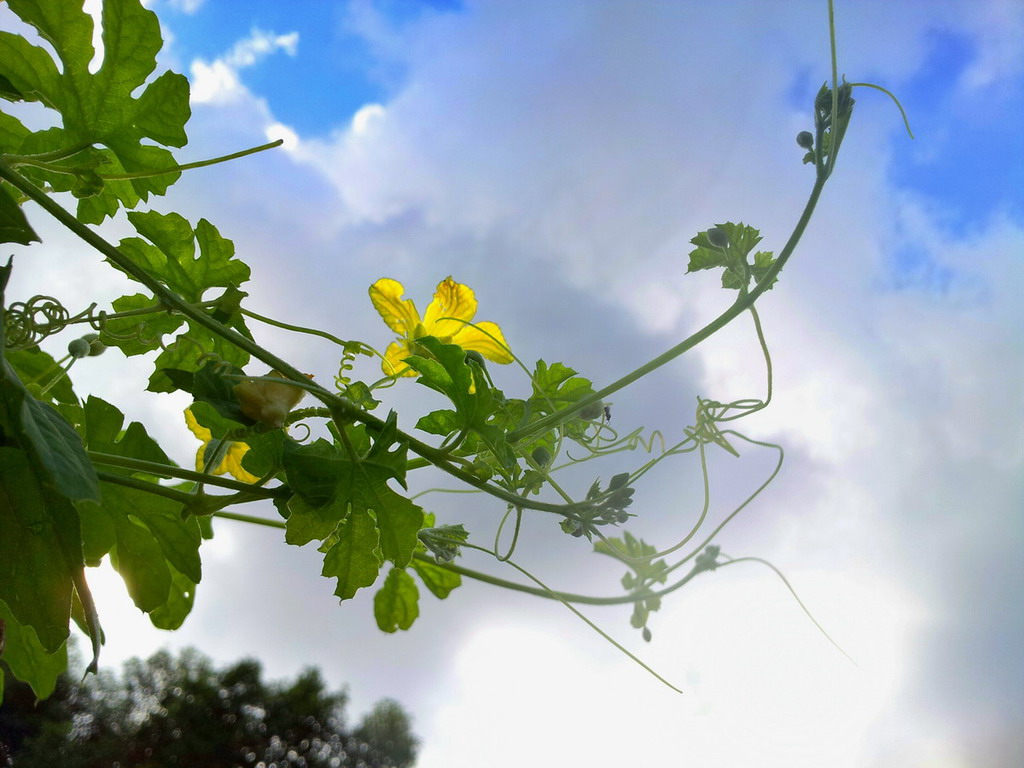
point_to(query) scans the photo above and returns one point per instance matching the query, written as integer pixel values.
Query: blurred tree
(182, 711)
(387, 728)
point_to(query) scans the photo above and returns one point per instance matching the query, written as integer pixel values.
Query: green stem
(47, 157)
(297, 328)
(342, 410)
(164, 470)
(190, 166)
(742, 303)
(250, 519)
(142, 485)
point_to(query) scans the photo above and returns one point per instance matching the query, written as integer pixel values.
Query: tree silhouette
(183, 711)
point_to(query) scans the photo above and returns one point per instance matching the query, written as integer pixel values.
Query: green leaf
(34, 365)
(28, 659)
(182, 594)
(733, 257)
(336, 494)
(103, 424)
(38, 533)
(98, 108)
(50, 444)
(350, 555)
(171, 257)
(462, 380)
(395, 606)
(14, 227)
(213, 384)
(438, 580)
(137, 334)
(443, 422)
(314, 470)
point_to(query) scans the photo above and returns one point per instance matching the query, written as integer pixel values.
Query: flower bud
(592, 411)
(541, 455)
(718, 237)
(805, 139)
(78, 348)
(96, 347)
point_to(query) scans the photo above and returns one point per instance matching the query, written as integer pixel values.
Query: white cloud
(187, 6)
(218, 81)
(563, 154)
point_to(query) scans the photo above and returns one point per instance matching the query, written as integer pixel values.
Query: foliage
(77, 486)
(182, 710)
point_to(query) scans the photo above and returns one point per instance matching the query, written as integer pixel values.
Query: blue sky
(335, 68)
(558, 155)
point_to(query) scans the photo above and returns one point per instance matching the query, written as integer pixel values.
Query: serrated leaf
(170, 255)
(350, 555)
(733, 257)
(461, 379)
(28, 659)
(98, 108)
(396, 604)
(137, 334)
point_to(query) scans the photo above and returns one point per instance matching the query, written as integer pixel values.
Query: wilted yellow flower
(447, 318)
(268, 401)
(231, 459)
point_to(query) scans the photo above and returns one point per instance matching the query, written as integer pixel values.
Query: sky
(558, 156)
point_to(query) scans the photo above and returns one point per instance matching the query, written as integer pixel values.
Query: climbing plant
(78, 485)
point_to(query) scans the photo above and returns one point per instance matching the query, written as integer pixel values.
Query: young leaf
(438, 580)
(395, 606)
(350, 554)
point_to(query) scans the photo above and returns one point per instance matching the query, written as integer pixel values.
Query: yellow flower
(232, 457)
(447, 318)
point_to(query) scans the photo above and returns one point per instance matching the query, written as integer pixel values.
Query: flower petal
(393, 363)
(485, 338)
(400, 314)
(196, 428)
(233, 463)
(451, 300)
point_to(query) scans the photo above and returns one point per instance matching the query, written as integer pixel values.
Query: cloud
(218, 81)
(558, 157)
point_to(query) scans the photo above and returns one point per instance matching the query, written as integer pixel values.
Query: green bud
(718, 237)
(476, 357)
(541, 455)
(78, 348)
(805, 139)
(96, 347)
(592, 411)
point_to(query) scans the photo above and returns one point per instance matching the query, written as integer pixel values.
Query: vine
(77, 486)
